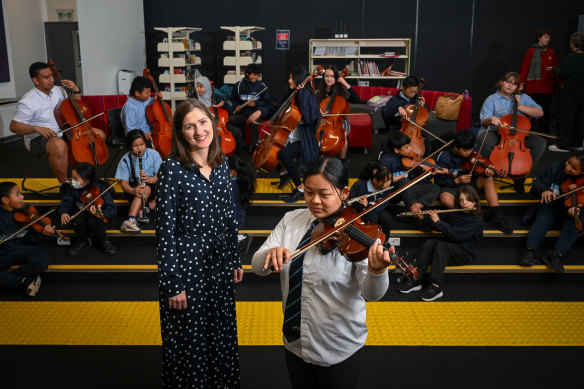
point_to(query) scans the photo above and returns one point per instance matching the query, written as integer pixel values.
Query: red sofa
(464, 117)
(97, 104)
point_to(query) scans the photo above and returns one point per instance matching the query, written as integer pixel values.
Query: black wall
(456, 44)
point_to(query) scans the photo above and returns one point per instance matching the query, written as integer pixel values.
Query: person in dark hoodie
(546, 214)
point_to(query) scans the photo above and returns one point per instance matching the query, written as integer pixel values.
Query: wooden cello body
(511, 155)
(84, 145)
(225, 136)
(160, 116)
(418, 115)
(330, 134)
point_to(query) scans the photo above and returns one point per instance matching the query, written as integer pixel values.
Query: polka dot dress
(196, 236)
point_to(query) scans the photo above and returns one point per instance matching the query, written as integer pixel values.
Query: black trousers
(423, 192)
(439, 254)
(287, 157)
(85, 224)
(33, 260)
(543, 124)
(236, 125)
(343, 375)
(571, 116)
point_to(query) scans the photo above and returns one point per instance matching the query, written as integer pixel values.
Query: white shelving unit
(176, 53)
(242, 42)
(373, 54)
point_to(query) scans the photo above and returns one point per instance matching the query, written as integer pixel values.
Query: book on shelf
(335, 50)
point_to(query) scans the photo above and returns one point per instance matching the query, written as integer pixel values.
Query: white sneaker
(577, 148)
(130, 225)
(557, 149)
(33, 286)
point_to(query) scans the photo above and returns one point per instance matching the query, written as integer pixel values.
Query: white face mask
(75, 184)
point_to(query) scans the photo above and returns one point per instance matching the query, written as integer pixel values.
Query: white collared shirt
(334, 290)
(37, 109)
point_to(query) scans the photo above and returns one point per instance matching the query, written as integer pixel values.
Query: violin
(84, 144)
(30, 214)
(417, 114)
(330, 133)
(160, 116)
(226, 138)
(280, 126)
(414, 160)
(92, 196)
(478, 164)
(573, 187)
(355, 239)
(511, 155)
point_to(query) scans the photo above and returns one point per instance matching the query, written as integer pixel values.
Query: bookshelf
(245, 51)
(178, 59)
(364, 58)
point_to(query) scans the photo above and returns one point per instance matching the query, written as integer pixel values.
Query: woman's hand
(237, 275)
(378, 258)
(276, 258)
(179, 301)
(65, 218)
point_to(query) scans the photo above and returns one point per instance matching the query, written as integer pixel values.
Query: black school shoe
(108, 248)
(294, 197)
(554, 260)
(431, 293)
(500, 223)
(527, 257)
(78, 248)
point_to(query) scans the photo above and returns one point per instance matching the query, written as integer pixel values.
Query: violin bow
(423, 129)
(531, 132)
(343, 223)
(479, 153)
(252, 99)
(430, 156)
(351, 201)
(569, 193)
(6, 238)
(94, 200)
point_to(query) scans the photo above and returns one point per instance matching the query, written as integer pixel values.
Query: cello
(417, 114)
(330, 133)
(225, 136)
(84, 144)
(160, 116)
(511, 155)
(281, 125)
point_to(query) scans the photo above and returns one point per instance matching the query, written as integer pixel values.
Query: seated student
(333, 83)
(243, 185)
(213, 100)
(394, 110)
(451, 159)
(258, 107)
(91, 220)
(323, 294)
(25, 249)
(35, 120)
(500, 104)
(374, 177)
(462, 232)
(134, 110)
(301, 147)
(130, 175)
(422, 194)
(548, 212)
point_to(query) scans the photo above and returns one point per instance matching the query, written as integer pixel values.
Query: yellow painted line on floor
(508, 323)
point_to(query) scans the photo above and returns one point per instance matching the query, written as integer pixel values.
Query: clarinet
(143, 218)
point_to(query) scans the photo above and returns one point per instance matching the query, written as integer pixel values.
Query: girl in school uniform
(324, 331)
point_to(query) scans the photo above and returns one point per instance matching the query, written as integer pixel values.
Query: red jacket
(548, 81)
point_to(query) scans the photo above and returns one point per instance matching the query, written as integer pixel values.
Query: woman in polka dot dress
(198, 257)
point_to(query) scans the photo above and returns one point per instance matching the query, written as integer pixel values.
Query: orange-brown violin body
(479, 165)
(88, 195)
(575, 199)
(30, 213)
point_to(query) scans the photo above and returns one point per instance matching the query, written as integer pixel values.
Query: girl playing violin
(25, 249)
(501, 103)
(132, 172)
(461, 231)
(333, 289)
(301, 147)
(451, 159)
(333, 83)
(90, 221)
(550, 212)
(374, 177)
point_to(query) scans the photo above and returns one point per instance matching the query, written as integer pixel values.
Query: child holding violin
(86, 185)
(374, 178)
(501, 103)
(422, 194)
(26, 249)
(301, 147)
(248, 106)
(324, 294)
(137, 171)
(460, 246)
(334, 84)
(134, 110)
(452, 159)
(557, 179)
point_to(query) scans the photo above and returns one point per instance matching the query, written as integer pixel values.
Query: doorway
(62, 39)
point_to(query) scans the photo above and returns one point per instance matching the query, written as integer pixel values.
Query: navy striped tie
(291, 326)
